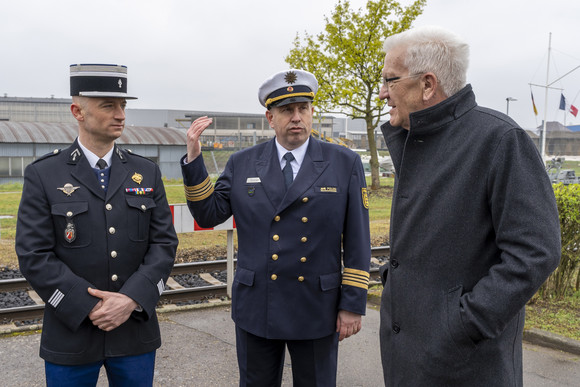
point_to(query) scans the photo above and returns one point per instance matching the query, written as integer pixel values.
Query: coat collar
(268, 169)
(84, 173)
(426, 121)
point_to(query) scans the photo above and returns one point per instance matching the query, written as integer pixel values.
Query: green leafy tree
(347, 59)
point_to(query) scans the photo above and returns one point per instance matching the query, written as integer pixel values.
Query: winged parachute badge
(68, 189)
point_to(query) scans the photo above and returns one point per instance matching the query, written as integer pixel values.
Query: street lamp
(508, 99)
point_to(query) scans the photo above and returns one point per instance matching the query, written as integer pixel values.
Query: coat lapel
(118, 173)
(82, 171)
(270, 174)
(312, 167)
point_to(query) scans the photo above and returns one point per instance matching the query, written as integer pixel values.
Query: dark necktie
(101, 164)
(287, 170)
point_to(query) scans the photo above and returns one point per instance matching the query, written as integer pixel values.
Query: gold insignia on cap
(137, 178)
(290, 77)
(365, 198)
(68, 189)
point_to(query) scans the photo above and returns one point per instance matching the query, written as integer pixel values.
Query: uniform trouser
(123, 371)
(261, 361)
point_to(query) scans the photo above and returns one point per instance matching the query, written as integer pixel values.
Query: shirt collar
(298, 153)
(93, 158)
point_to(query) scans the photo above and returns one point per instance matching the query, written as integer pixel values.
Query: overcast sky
(213, 55)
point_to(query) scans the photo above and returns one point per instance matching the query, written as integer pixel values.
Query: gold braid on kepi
(200, 191)
(354, 277)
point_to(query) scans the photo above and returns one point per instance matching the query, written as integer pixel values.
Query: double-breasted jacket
(290, 282)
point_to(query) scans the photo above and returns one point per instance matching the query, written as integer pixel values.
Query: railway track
(174, 293)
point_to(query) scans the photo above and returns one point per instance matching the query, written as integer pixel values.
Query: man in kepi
(297, 202)
(95, 240)
(474, 225)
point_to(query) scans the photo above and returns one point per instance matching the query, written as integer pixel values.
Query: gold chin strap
(272, 100)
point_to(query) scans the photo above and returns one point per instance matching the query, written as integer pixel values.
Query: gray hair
(434, 49)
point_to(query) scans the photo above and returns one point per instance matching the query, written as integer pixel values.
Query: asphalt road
(199, 350)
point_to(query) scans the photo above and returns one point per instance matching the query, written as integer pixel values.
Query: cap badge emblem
(120, 83)
(137, 178)
(290, 89)
(290, 77)
(68, 189)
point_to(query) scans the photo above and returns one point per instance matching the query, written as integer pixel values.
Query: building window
(4, 166)
(14, 166)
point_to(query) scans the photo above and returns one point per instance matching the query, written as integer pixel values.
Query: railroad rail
(174, 294)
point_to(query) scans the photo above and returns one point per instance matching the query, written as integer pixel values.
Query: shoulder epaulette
(130, 152)
(45, 156)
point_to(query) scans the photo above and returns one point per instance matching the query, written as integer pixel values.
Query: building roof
(62, 133)
(36, 100)
(554, 126)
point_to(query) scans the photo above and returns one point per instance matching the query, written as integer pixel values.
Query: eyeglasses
(389, 82)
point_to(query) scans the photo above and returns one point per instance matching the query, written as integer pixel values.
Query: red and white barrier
(184, 222)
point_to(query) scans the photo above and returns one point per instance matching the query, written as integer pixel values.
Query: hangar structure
(23, 142)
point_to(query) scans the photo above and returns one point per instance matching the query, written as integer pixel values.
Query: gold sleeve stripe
(355, 284)
(357, 278)
(348, 270)
(200, 191)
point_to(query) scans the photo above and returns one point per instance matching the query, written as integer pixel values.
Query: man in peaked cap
(95, 240)
(297, 202)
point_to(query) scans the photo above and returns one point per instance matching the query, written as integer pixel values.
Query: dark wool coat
(474, 233)
(71, 235)
(289, 283)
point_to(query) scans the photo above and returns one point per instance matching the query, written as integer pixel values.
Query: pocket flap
(141, 203)
(69, 209)
(329, 281)
(244, 276)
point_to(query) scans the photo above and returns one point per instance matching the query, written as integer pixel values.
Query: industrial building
(32, 127)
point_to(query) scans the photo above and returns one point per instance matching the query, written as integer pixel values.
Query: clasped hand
(112, 310)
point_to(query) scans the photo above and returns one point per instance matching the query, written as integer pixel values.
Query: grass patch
(560, 317)
(10, 194)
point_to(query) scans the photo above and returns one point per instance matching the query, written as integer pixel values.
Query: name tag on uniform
(253, 180)
(328, 189)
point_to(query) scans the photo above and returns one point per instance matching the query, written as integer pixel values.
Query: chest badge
(68, 189)
(137, 178)
(70, 232)
(251, 190)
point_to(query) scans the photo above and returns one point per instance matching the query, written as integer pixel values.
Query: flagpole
(543, 138)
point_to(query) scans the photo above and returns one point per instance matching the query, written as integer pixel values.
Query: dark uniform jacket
(474, 233)
(71, 235)
(289, 283)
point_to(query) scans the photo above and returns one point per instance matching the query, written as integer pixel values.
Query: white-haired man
(474, 223)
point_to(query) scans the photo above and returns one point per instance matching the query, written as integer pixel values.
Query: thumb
(95, 293)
